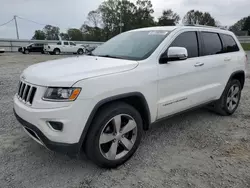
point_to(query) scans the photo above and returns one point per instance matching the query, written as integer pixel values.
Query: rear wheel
(230, 99)
(26, 51)
(80, 51)
(114, 136)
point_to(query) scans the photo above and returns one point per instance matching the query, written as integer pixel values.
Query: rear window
(229, 44)
(212, 43)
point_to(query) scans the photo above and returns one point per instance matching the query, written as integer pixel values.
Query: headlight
(61, 94)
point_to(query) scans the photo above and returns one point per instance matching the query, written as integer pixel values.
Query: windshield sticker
(158, 33)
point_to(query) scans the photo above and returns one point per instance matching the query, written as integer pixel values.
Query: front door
(182, 84)
(66, 47)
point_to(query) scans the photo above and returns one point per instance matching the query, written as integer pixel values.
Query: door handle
(199, 64)
(227, 59)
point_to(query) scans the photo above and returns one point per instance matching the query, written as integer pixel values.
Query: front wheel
(114, 136)
(57, 51)
(230, 99)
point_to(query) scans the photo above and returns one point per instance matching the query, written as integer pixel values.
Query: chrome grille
(26, 93)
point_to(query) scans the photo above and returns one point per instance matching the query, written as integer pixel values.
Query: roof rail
(197, 25)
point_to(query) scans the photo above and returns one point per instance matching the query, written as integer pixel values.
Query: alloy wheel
(233, 97)
(118, 137)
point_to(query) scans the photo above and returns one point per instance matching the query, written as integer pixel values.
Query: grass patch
(246, 46)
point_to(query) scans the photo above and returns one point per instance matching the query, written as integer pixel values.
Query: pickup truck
(63, 47)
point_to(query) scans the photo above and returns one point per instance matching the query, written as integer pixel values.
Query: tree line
(115, 16)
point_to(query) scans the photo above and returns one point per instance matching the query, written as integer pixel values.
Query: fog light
(58, 126)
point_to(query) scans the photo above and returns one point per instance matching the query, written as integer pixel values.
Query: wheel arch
(57, 49)
(135, 99)
(238, 75)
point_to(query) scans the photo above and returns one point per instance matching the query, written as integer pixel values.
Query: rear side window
(212, 43)
(229, 44)
(66, 43)
(189, 41)
(59, 43)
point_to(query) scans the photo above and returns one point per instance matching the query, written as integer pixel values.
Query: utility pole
(17, 35)
(121, 24)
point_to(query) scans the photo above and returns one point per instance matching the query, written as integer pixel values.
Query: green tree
(110, 16)
(168, 18)
(92, 33)
(197, 17)
(75, 34)
(64, 36)
(238, 26)
(39, 35)
(123, 15)
(127, 15)
(94, 18)
(51, 32)
(144, 13)
(246, 26)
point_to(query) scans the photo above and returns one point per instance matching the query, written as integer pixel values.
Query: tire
(80, 51)
(104, 120)
(42, 52)
(51, 53)
(26, 51)
(57, 51)
(228, 104)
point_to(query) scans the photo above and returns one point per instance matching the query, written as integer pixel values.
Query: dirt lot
(195, 149)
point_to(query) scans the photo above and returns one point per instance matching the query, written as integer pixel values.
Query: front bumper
(35, 122)
(37, 135)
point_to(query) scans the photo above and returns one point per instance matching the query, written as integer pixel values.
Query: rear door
(215, 63)
(73, 47)
(233, 57)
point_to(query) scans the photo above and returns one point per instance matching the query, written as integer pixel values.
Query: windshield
(135, 45)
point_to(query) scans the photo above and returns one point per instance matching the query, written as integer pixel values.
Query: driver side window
(189, 41)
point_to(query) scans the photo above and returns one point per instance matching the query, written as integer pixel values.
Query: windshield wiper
(110, 56)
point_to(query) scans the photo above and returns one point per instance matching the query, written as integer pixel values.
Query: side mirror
(174, 54)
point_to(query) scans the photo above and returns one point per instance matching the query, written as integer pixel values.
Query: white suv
(101, 103)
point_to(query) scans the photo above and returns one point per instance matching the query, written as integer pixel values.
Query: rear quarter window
(229, 44)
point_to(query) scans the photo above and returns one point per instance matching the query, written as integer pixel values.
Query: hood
(65, 72)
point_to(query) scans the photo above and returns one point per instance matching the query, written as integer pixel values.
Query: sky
(72, 13)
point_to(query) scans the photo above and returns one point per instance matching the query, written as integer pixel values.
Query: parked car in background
(2, 50)
(34, 47)
(63, 47)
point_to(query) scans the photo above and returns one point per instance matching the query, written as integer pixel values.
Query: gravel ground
(195, 149)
